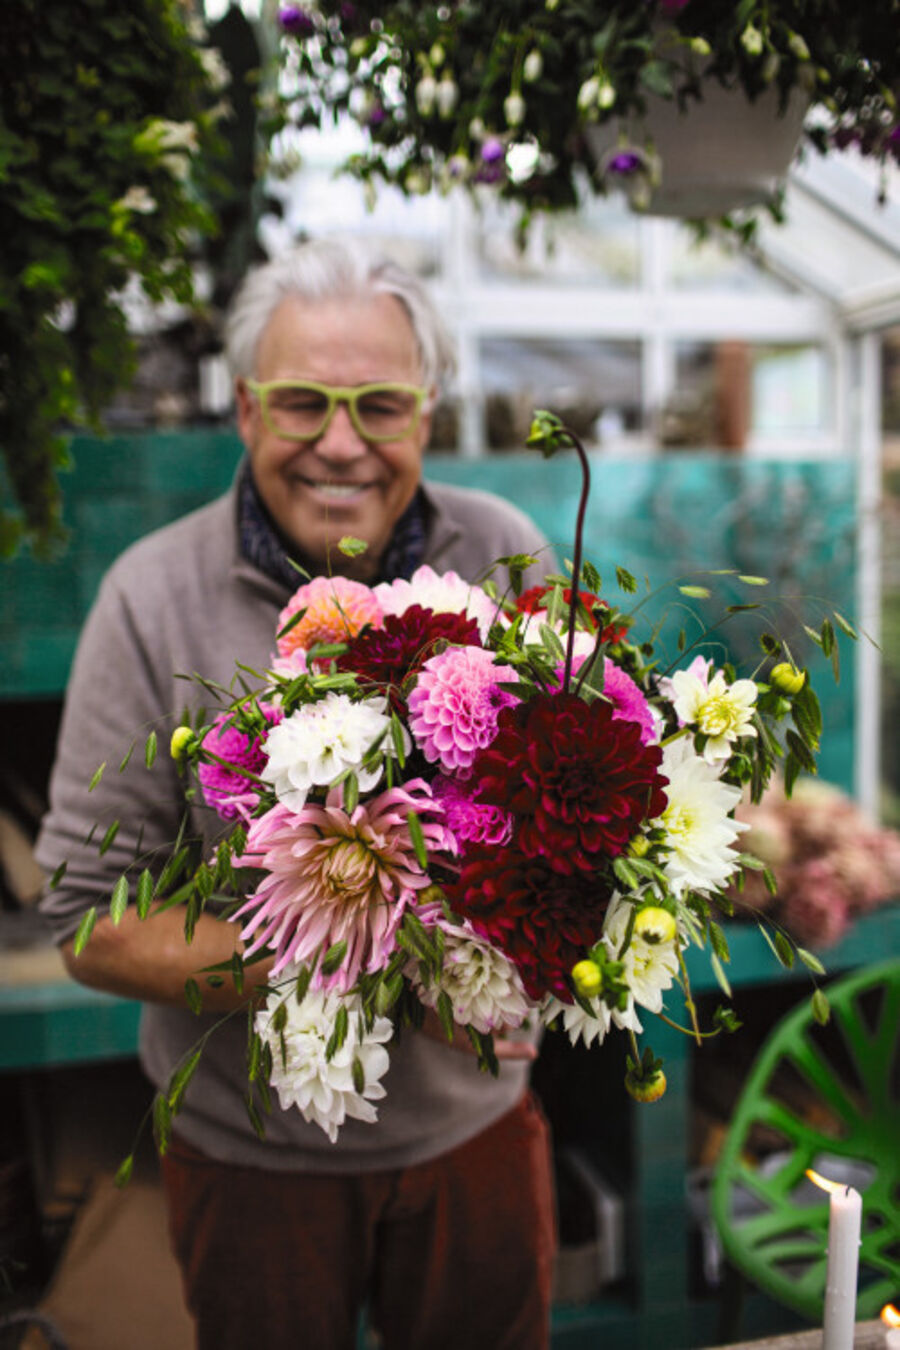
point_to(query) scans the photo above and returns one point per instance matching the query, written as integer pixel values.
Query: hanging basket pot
(719, 155)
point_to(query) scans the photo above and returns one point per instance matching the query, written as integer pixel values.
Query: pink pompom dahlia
(336, 609)
(627, 698)
(334, 876)
(454, 707)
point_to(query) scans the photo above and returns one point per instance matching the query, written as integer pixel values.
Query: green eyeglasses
(301, 410)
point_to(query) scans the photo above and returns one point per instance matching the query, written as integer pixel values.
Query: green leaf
(192, 996)
(753, 581)
(98, 774)
(821, 1008)
(162, 1123)
(417, 838)
(845, 625)
(58, 876)
(719, 941)
(180, 1079)
(84, 930)
(124, 1171)
(625, 581)
(107, 840)
(339, 1034)
(119, 900)
(150, 749)
(359, 1075)
(445, 1013)
(783, 950)
(351, 547)
(801, 751)
(719, 972)
(254, 1116)
(333, 957)
(127, 760)
(304, 975)
(696, 592)
(811, 961)
(827, 637)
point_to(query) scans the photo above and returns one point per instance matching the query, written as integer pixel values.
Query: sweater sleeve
(113, 701)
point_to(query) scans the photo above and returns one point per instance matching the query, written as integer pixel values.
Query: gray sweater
(184, 601)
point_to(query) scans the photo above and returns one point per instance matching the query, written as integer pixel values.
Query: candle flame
(823, 1182)
(890, 1315)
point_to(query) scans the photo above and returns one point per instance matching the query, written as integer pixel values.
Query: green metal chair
(826, 1098)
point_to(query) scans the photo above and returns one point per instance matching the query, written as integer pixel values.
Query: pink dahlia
(387, 656)
(543, 921)
(226, 785)
(455, 704)
(336, 609)
(467, 820)
(334, 876)
(578, 779)
(626, 697)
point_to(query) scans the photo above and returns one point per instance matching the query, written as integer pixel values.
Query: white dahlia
(699, 828)
(722, 711)
(319, 741)
(481, 983)
(577, 1024)
(650, 967)
(323, 1089)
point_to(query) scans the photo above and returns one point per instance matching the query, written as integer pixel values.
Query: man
(439, 1218)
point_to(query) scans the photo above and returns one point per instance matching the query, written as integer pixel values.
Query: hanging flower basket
(719, 155)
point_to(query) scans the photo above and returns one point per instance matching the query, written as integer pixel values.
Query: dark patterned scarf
(263, 544)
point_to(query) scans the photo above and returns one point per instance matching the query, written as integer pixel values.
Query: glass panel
(703, 265)
(599, 245)
(726, 390)
(594, 386)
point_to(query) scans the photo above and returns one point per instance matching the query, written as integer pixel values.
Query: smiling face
(340, 484)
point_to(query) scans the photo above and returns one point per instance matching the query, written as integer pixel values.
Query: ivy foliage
(108, 112)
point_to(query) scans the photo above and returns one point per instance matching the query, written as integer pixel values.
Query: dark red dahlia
(577, 779)
(530, 601)
(389, 655)
(542, 920)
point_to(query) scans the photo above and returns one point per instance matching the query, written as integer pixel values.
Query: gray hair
(326, 269)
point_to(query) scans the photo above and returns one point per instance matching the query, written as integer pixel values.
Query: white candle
(844, 1223)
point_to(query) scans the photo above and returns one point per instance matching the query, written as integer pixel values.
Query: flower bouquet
(492, 807)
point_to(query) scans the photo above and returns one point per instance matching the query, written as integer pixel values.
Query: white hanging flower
(481, 983)
(533, 66)
(447, 96)
(514, 109)
(319, 741)
(650, 967)
(577, 1024)
(445, 592)
(722, 711)
(426, 95)
(699, 829)
(323, 1090)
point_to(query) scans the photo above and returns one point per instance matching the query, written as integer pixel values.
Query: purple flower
(492, 151)
(626, 162)
(296, 21)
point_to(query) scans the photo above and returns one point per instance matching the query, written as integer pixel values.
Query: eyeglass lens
(301, 411)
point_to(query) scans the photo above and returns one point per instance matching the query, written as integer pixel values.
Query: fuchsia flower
(227, 790)
(470, 821)
(627, 698)
(455, 704)
(334, 876)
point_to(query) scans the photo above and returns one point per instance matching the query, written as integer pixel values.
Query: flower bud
(646, 1089)
(533, 66)
(700, 47)
(587, 94)
(752, 40)
(798, 46)
(787, 677)
(606, 95)
(587, 978)
(514, 109)
(426, 94)
(436, 55)
(447, 96)
(182, 739)
(654, 924)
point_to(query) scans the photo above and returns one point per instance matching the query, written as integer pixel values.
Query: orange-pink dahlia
(336, 609)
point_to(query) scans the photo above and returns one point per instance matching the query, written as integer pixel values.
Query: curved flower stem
(689, 1003)
(576, 557)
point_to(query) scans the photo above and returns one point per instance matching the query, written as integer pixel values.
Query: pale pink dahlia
(441, 592)
(454, 707)
(334, 876)
(336, 609)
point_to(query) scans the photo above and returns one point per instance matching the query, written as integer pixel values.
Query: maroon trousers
(452, 1254)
